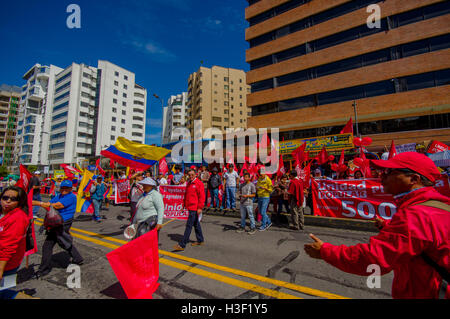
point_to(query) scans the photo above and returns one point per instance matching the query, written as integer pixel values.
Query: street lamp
(356, 118)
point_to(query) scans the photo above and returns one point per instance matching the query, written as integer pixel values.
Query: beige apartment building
(9, 102)
(218, 97)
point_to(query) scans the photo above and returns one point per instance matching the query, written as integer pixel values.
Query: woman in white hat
(149, 209)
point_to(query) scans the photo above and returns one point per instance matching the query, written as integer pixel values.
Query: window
(379, 88)
(115, 92)
(123, 121)
(414, 48)
(116, 73)
(217, 119)
(116, 83)
(420, 81)
(113, 138)
(113, 128)
(114, 110)
(125, 77)
(122, 130)
(124, 95)
(125, 86)
(113, 119)
(124, 112)
(124, 103)
(115, 101)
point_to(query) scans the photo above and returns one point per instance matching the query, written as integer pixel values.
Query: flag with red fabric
(97, 164)
(348, 128)
(392, 151)
(69, 171)
(299, 154)
(163, 167)
(322, 157)
(136, 266)
(112, 164)
(281, 170)
(25, 178)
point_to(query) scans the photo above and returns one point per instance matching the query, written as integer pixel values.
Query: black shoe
(79, 263)
(38, 274)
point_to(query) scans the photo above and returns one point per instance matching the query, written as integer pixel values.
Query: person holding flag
(65, 203)
(35, 185)
(97, 191)
(14, 222)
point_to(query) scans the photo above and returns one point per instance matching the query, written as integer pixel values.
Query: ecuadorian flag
(84, 204)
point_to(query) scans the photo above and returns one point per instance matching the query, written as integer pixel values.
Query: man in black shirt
(35, 185)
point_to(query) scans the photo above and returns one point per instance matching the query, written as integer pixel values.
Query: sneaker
(268, 226)
(240, 230)
(262, 228)
(252, 231)
(178, 248)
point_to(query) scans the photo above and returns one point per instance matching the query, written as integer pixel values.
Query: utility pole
(356, 118)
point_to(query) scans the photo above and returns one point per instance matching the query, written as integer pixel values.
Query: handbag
(53, 219)
(146, 226)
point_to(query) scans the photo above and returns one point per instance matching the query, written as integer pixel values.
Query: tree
(4, 171)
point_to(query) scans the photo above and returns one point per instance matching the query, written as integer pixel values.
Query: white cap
(148, 181)
(37, 173)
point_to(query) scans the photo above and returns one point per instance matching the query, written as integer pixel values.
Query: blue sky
(161, 41)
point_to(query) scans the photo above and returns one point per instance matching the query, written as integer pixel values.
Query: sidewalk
(340, 223)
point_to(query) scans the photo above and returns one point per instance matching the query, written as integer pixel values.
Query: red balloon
(366, 141)
(357, 141)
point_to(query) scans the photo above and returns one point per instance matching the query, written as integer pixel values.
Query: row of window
(427, 122)
(393, 53)
(57, 126)
(311, 21)
(63, 78)
(60, 106)
(62, 87)
(59, 116)
(409, 83)
(57, 136)
(57, 146)
(62, 96)
(388, 23)
(125, 77)
(276, 11)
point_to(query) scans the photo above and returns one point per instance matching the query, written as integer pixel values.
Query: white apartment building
(174, 115)
(34, 113)
(122, 106)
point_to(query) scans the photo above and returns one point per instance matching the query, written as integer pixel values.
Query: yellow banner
(331, 142)
(58, 172)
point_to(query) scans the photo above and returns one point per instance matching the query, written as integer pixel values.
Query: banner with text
(173, 197)
(360, 199)
(121, 190)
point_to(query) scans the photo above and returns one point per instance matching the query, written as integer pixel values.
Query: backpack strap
(441, 270)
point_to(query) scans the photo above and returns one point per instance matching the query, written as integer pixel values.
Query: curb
(331, 222)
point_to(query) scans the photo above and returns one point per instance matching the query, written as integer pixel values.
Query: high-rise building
(314, 64)
(35, 111)
(9, 106)
(122, 106)
(174, 115)
(218, 97)
(69, 115)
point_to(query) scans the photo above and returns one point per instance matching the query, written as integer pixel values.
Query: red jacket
(398, 246)
(13, 229)
(296, 190)
(195, 195)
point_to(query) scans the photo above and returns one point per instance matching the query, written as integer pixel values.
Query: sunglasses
(13, 199)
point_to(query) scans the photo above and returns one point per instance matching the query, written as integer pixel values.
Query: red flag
(322, 157)
(112, 164)
(307, 172)
(69, 171)
(97, 164)
(136, 265)
(25, 178)
(348, 128)
(163, 168)
(265, 140)
(281, 170)
(392, 151)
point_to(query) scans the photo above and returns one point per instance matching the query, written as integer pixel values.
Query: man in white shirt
(231, 181)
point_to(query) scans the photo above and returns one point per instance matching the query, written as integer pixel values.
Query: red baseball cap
(414, 161)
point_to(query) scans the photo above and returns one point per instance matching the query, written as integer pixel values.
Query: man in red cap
(415, 244)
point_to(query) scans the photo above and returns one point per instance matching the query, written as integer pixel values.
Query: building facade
(175, 114)
(217, 96)
(35, 111)
(9, 109)
(316, 63)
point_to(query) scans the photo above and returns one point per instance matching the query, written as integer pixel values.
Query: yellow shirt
(266, 183)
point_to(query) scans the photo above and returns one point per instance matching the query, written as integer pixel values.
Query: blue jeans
(214, 197)
(192, 221)
(36, 208)
(263, 203)
(231, 196)
(247, 209)
(97, 207)
(281, 203)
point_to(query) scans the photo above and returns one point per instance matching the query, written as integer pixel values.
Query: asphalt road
(269, 264)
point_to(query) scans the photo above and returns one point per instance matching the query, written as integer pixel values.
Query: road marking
(200, 272)
(228, 280)
(276, 282)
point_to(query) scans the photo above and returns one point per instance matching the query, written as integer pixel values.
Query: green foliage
(32, 168)
(4, 171)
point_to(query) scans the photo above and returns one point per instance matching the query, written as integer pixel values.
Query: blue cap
(66, 183)
(94, 177)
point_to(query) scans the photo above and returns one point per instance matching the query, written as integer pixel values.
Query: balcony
(36, 94)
